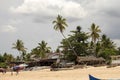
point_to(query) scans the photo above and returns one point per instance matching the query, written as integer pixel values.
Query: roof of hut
(89, 58)
(115, 57)
(48, 56)
(17, 62)
(54, 55)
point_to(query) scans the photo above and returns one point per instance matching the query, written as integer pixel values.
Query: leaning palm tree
(60, 25)
(19, 45)
(94, 32)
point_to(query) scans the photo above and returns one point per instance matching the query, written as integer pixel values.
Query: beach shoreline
(71, 74)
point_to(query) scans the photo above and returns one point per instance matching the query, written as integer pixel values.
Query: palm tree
(43, 46)
(19, 45)
(41, 49)
(106, 42)
(60, 24)
(94, 32)
(8, 57)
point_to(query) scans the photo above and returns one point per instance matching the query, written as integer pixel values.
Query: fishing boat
(94, 78)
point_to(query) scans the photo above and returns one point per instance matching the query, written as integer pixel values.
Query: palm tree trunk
(21, 57)
(70, 45)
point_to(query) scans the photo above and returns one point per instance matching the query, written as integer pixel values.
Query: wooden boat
(94, 78)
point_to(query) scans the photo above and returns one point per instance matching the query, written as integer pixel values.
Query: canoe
(94, 78)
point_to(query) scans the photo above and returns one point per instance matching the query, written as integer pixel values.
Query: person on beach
(16, 69)
(2, 70)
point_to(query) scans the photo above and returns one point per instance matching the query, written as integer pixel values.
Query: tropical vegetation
(77, 43)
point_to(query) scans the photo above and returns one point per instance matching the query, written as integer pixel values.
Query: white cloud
(8, 28)
(51, 8)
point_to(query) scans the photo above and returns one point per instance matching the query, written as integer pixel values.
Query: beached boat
(94, 78)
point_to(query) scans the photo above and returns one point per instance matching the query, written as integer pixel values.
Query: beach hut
(47, 61)
(115, 60)
(11, 64)
(90, 60)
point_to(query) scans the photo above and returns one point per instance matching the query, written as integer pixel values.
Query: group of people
(12, 69)
(16, 69)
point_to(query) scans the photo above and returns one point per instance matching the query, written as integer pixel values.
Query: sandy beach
(73, 74)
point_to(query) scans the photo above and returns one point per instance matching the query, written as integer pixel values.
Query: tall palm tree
(19, 45)
(60, 24)
(94, 32)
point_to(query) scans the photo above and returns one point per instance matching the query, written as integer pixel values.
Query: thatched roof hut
(115, 60)
(47, 61)
(90, 60)
(116, 57)
(17, 62)
(42, 62)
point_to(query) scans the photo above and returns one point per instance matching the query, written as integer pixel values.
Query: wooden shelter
(115, 57)
(17, 62)
(47, 61)
(115, 60)
(42, 62)
(90, 60)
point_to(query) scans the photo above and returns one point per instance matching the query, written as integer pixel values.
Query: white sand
(75, 74)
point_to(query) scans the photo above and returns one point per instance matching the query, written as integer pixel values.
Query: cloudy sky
(31, 20)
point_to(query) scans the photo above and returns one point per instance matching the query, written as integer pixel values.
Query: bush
(3, 65)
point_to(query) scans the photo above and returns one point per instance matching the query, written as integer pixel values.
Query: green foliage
(5, 59)
(76, 44)
(19, 45)
(70, 57)
(118, 51)
(106, 53)
(28, 57)
(94, 34)
(78, 40)
(41, 50)
(3, 65)
(2, 58)
(60, 23)
(17, 58)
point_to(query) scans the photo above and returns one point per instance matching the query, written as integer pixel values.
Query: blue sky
(31, 20)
